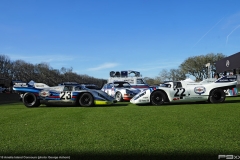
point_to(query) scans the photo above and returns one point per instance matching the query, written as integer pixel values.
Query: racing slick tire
(157, 98)
(217, 96)
(30, 100)
(119, 97)
(86, 100)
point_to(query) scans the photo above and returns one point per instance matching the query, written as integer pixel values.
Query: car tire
(30, 100)
(119, 97)
(217, 96)
(157, 98)
(86, 100)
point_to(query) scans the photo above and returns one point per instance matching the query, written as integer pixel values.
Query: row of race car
(214, 91)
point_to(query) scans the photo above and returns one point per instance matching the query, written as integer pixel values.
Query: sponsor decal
(231, 76)
(176, 98)
(44, 93)
(199, 90)
(144, 100)
(20, 85)
(39, 85)
(195, 97)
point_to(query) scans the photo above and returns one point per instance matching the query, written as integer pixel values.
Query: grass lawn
(124, 130)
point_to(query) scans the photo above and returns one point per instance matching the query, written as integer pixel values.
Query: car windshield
(78, 88)
(122, 84)
(165, 85)
(67, 88)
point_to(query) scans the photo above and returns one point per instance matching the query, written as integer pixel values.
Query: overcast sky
(95, 37)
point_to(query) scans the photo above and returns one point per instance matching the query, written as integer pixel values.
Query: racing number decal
(65, 95)
(182, 90)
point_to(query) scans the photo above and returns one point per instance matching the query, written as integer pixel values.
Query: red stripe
(127, 98)
(54, 97)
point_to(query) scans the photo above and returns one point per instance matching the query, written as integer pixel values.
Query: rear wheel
(157, 98)
(217, 96)
(30, 100)
(86, 100)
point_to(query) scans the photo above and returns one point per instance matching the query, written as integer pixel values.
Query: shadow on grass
(75, 106)
(113, 156)
(232, 101)
(173, 103)
(186, 103)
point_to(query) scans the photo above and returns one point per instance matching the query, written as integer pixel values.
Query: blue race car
(35, 94)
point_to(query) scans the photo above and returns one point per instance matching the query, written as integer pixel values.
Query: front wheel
(217, 96)
(30, 100)
(86, 100)
(118, 97)
(157, 98)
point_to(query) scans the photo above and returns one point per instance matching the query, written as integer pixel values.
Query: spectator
(11, 86)
(216, 75)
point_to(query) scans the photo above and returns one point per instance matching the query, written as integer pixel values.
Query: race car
(121, 90)
(184, 91)
(33, 95)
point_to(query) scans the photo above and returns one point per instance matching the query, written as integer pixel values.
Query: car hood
(134, 90)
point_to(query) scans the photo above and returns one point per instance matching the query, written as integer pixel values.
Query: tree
(149, 81)
(195, 65)
(171, 75)
(176, 75)
(164, 75)
(5, 68)
(42, 72)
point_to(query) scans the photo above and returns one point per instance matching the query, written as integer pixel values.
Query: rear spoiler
(35, 85)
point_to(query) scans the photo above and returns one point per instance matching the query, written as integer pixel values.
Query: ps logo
(227, 63)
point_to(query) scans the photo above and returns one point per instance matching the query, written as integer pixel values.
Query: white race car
(184, 91)
(121, 90)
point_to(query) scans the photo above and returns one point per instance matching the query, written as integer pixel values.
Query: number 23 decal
(180, 92)
(65, 95)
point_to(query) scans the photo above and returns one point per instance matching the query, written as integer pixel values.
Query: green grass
(122, 129)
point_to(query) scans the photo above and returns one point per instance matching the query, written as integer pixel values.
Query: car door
(66, 94)
(179, 92)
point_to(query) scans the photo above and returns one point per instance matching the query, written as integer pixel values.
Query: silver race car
(121, 90)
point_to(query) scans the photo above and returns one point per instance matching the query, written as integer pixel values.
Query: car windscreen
(122, 84)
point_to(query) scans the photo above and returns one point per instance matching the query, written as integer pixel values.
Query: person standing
(11, 87)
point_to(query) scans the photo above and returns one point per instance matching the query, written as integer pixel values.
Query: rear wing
(223, 79)
(228, 78)
(35, 85)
